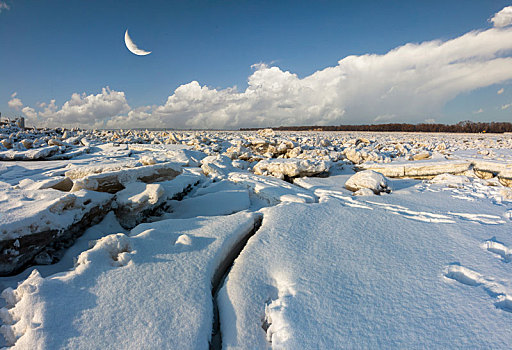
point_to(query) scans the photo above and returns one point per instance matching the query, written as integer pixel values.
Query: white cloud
(30, 113)
(409, 83)
(506, 106)
(481, 110)
(85, 110)
(500, 91)
(14, 102)
(502, 18)
(4, 6)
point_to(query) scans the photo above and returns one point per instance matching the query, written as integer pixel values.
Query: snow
(332, 265)
(272, 190)
(138, 194)
(139, 291)
(29, 211)
(114, 179)
(211, 204)
(367, 179)
(423, 168)
(290, 167)
(366, 280)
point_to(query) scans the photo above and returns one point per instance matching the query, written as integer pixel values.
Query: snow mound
(272, 190)
(217, 167)
(369, 179)
(454, 181)
(141, 291)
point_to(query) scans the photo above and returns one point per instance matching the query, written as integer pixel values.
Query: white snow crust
(332, 266)
(147, 290)
(367, 279)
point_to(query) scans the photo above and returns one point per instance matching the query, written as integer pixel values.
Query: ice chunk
(211, 204)
(136, 201)
(294, 167)
(369, 179)
(114, 181)
(419, 169)
(31, 220)
(218, 167)
(505, 177)
(272, 190)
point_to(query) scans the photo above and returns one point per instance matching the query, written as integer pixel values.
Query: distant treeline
(462, 127)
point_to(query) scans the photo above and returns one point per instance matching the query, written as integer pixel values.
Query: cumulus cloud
(500, 91)
(502, 18)
(3, 6)
(408, 83)
(84, 110)
(15, 102)
(30, 113)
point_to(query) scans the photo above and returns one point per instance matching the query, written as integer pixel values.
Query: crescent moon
(130, 45)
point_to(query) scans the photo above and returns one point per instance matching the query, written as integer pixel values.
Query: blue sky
(50, 50)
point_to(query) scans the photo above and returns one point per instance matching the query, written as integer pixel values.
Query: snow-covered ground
(254, 240)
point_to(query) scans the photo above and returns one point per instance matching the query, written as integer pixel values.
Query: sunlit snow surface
(420, 258)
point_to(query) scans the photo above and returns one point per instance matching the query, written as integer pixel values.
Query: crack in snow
(220, 276)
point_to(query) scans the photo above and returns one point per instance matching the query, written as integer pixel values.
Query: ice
(211, 204)
(420, 169)
(272, 190)
(425, 266)
(282, 168)
(135, 199)
(137, 291)
(217, 167)
(114, 180)
(367, 179)
(31, 220)
(505, 177)
(30, 154)
(365, 281)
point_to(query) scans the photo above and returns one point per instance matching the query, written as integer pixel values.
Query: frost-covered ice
(367, 279)
(148, 290)
(367, 180)
(291, 167)
(333, 265)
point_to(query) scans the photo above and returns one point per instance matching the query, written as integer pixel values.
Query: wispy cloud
(502, 18)
(481, 110)
(500, 91)
(507, 106)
